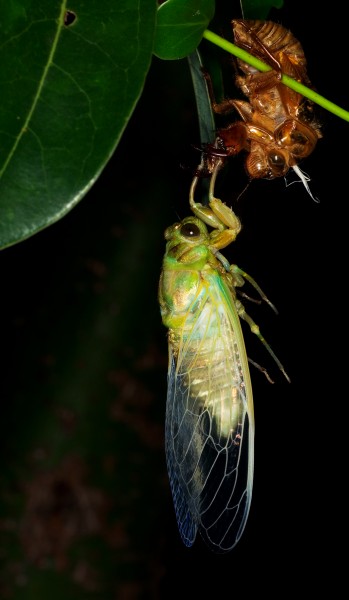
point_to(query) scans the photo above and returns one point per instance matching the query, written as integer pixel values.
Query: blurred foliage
(259, 9)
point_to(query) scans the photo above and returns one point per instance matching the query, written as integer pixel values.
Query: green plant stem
(261, 66)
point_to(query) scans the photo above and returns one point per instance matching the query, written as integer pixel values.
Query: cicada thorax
(278, 126)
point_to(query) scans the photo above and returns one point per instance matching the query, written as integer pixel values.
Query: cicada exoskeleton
(278, 126)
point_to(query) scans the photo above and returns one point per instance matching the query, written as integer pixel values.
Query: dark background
(85, 505)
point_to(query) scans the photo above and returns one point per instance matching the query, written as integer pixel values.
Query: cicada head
(266, 161)
(185, 240)
(190, 230)
(296, 138)
(272, 156)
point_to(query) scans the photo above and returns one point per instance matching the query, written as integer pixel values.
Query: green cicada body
(209, 430)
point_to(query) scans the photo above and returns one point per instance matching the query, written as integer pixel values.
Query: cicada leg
(261, 369)
(217, 215)
(211, 164)
(236, 271)
(238, 279)
(255, 329)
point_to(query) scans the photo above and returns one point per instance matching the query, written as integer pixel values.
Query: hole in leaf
(69, 18)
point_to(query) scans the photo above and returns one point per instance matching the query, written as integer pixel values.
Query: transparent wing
(209, 423)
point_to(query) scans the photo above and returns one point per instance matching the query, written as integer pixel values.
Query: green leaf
(207, 125)
(180, 26)
(259, 9)
(70, 80)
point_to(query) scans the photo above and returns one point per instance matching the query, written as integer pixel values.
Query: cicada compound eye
(277, 163)
(265, 162)
(190, 230)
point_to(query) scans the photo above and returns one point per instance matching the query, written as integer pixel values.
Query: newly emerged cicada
(209, 434)
(278, 126)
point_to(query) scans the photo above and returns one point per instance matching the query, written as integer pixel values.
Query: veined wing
(209, 421)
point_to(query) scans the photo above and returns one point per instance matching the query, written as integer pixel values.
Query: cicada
(209, 431)
(278, 126)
